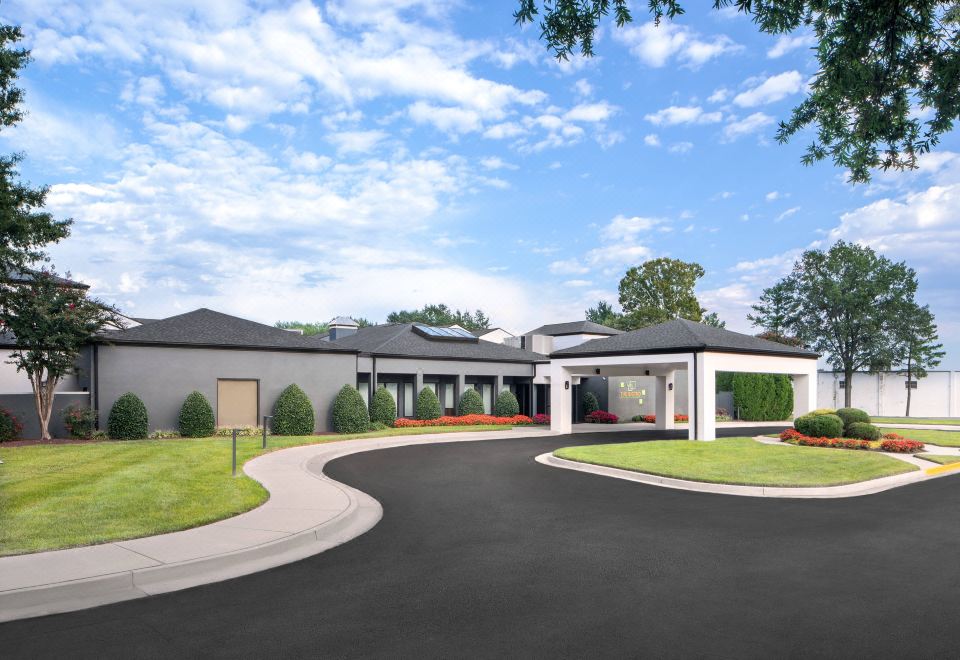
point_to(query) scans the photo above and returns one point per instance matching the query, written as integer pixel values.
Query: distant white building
(885, 393)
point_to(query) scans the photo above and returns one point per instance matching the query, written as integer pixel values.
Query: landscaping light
(265, 418)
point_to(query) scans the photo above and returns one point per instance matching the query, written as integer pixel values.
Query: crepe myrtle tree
(50, 321)
(845, 302)
(885, 89)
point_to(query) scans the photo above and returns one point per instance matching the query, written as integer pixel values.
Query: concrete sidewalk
(306, 514)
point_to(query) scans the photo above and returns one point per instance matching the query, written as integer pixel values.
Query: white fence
(885, 393)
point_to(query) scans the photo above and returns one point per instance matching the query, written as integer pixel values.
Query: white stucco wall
(497, 336)
(884, 393)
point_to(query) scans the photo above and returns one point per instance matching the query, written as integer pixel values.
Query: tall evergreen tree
(917, 346)
(604, 314)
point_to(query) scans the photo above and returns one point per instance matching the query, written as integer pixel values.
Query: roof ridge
(689, 326)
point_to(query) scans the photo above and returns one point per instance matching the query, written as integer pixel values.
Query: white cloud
(656, 45)
(623, 228)
(447, 119)
(719, 95)
(771, 89)
(496, 163)
(578, 283)
(773, 195)
(750, 124)
(583, 88)
(357, 142)
(615, 256)
(651, 140)
(683, 115)
(590, 112)
(681, 148)
(786, 43)
(786, 214)
(567, 267)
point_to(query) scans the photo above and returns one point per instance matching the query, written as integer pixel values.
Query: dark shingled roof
(574, 328)
(681, 335)
(205, 327)
(399, 340)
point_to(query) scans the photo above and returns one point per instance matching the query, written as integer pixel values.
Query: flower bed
(896, 444)
(540, 418)
(464, 420)
(652, 419)
(602, 417)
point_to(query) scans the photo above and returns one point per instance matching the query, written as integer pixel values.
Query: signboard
(629, 390)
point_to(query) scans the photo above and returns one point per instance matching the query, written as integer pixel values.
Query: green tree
(441, 315)
(773, 313)
(315, 328)
(661, 290)
(917, 345)
(713, 320)
(604, 314)
(25, 228)
(879, 62)
(51, 322)
(846, 303)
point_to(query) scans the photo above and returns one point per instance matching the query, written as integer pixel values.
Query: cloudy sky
(300, 160)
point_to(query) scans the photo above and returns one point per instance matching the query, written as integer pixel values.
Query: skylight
(444, 334)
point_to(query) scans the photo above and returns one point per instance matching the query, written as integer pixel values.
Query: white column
(664, 394)
(498, 387)
(706, 398)
(691, 397)
(561, 399)
(804, 393)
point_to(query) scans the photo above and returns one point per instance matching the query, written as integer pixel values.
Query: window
(408, 399)
(394, 390)
(486, 393)
(843, 384)
(448, 397)
(444, 334)
(911, 384)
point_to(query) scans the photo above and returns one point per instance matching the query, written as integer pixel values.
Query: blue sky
(302, 160)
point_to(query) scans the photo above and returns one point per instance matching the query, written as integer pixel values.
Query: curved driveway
(483, 552)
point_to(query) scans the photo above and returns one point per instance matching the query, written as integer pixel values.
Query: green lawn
(940, 458)
(951, 421)
(59, 496)
(741, 461)
(942, 438)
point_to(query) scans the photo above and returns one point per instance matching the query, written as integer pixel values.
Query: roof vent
(342, 326)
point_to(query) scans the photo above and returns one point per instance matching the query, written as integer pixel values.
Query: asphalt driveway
(483, 552)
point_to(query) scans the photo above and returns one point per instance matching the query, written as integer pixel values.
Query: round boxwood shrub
(349, 412)
(471, 403)
(823, 411)
(128, 418)
(863, 431)
(819, 426)
(383, 408)
(590, 403)
(428, 405)
(853, 416)
(196, 417)
(10, 426)
(293, 412)
(506, 404)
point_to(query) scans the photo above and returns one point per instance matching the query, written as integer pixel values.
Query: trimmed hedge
(128, 418)
(863, 431)
(823, 411)
(763, 397)
(196, 417)
(383, 409)
(350, 412)
(506, 405)
(853, 416)
(293, 412)
(428, 405)
(724, 381)
(590, 403)
(471, 403)
(819, 426)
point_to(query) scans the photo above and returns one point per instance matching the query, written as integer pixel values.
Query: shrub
(293, 412)
(428, 405)
(383, 409)
(10, 426)
(723, 415)
(128, 418)
(795, 438)
(80, 421)
(471, 403)
(680, 418)
(100, 435)
(506, 404)
(819, 426)
(466, 420)
(196, 417)
(590, 403)
(724, 381)
(853, 416)
(242, 431)
(349, 412)
(378, 426)
(540, 418)
(863, 431)
(823, 411)
(763, 397)
(901, 446)
(602, 417)
(164, 434)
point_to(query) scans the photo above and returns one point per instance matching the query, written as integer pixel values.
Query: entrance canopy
(662, 350)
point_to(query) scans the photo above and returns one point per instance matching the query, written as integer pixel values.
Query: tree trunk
(848, 387)
(909, 391)
(50, 388)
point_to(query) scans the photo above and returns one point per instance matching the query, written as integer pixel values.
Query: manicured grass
(951, 421)
(59, 496)
(942, 438)
(942, 459)
(741, 461)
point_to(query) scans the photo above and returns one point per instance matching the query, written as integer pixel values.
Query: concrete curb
(827, 492)
(271, 535)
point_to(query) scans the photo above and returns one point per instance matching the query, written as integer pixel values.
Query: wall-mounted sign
(629, 390)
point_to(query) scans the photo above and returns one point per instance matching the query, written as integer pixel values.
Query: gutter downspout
(95, 384)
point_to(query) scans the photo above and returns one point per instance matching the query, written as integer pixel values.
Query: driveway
(483, 552)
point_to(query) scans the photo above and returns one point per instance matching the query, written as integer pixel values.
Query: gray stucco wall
(23, 408)
(164, 376)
